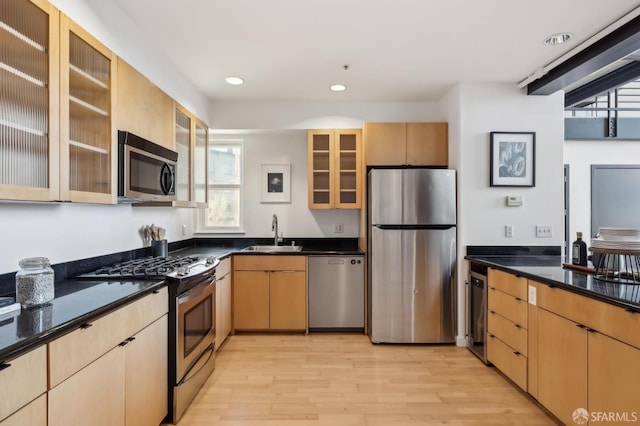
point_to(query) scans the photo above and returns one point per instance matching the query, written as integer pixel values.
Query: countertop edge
(24, 346)
(559, 284)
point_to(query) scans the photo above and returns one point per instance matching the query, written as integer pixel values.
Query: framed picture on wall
(513, 159)
(275, 183)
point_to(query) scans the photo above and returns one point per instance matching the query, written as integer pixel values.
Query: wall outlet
(338, 228)
(544, 231)
(508, 231)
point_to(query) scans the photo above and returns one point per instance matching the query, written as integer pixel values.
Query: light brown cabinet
(335, 169)
(29, 106)
(507, 342)
(269, 293)
(100, 373)
(223, 301)
(416, 144)
(579, 364)
(87, 101)
(142, 108)
(32, 414)
(22, 380)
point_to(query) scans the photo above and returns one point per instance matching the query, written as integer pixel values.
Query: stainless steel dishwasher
(336, 293)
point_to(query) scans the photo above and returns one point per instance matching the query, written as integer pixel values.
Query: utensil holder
(159, 248)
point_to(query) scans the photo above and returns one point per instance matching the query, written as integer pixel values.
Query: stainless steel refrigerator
(411, 255)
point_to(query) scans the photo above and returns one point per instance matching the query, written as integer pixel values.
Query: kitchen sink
(273, 249)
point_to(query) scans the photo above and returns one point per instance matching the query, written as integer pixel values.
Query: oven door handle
(196, 291)
(199, 363)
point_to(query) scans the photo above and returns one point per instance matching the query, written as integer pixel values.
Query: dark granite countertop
(75, 302)
(549, 270)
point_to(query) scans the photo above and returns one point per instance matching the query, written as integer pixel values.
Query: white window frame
(203, 213)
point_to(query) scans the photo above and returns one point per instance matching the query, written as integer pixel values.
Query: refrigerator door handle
(401, 227)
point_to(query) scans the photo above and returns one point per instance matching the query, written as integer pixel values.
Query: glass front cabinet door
(87, 136)
(29, 113)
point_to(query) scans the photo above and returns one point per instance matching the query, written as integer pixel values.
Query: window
(224, 184)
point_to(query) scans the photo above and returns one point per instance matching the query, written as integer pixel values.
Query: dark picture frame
(513, 159)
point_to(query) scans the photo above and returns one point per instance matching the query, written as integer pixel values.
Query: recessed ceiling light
(338, 87)
(559, 38)
(236, 81)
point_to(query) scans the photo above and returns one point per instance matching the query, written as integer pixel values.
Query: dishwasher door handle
(336, 261)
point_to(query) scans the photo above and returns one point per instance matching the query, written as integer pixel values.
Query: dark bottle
(579, 251)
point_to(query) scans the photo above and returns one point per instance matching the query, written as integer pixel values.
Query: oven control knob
(211, 260)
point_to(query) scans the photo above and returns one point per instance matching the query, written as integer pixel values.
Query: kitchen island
(568, 339)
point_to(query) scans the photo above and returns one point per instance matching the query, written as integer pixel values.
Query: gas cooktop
(154, 268)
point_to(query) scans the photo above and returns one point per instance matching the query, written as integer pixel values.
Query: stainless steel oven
(194, 348)
(477, 311)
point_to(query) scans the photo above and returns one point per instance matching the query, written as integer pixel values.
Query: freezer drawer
(336, 292)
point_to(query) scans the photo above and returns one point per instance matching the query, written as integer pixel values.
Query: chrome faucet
(274, 227)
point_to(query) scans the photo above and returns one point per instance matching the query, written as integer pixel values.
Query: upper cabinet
(29, 110)
(191, 136)
(56, 134)
(87, 134)
(142, 108)
(415, 144)
(335, 169)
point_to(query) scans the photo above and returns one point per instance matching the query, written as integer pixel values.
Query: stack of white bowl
(622, 239)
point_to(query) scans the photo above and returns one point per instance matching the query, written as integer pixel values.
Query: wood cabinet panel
(223, 308)
(427, 144)
(507, 331)
(532, 349)
(23, 380)
(93, 396)
(251, 300)
(510, 307)
(614, 369)
(511, 363)
(508, 283)
(32, 414)
(562, 365)
(269, 263)
(385, 143)
(287, 301)
(146, 378)
(142, 108)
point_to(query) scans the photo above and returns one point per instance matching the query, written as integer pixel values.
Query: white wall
(580, 155)
(473, 111)
(295, 220)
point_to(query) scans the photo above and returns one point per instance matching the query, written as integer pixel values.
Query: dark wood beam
(613, 47)
(618, 77)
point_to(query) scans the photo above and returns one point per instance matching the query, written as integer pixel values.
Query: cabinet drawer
(23, 380)
(269, 263)
(512, 364)
(508, 332)
(510, 307)
(33, 414)
(508, 283)
(608, 319)
(75, 350)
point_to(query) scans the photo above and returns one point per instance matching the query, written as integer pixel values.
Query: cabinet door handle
(581, 326)
(517, 353)
(4, 366)
(86, 325)
(126, 342)
(517, 325)
(156, 291)
(552, 286)
(493, 312)
(631, 311)
(130, 339)
(591, 330)
(492, 336)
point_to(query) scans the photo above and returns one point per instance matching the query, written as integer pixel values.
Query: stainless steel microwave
(146, 171)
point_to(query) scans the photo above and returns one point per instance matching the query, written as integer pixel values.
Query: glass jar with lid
(34, 282)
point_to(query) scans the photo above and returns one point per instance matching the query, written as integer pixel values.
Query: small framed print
(513, 159)
(275, 183)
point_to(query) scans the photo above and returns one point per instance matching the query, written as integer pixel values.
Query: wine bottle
(579, 251)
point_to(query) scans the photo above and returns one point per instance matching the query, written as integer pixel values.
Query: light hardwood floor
(345, 380)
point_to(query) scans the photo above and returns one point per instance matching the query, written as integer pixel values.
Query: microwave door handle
(166, 179)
